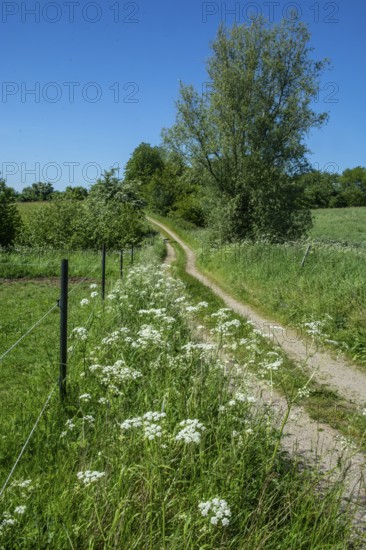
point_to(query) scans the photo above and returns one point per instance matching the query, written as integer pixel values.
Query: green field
(330, 290)
(154, 450)
(340, 224)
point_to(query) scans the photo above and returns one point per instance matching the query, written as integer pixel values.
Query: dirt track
(339, 374)
(313, 441)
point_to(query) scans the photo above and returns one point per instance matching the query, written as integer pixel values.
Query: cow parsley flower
(87, 477)
(191, 432)
(218, 510)
(85, 397)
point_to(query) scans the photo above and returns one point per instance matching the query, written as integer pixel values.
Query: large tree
(247, 132)
(144, 162)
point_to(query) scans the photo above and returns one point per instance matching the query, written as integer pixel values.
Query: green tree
(112, 214)
(247, 134)
(320, 189)
(10, 221)
(353, 187)
(77, 193)
(144, 162)
(37, 192)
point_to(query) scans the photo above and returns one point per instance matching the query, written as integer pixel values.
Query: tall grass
(153, 448)
(325, 299)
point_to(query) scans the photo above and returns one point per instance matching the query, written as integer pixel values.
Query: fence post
(305, 256)
(132, 254)
(63, 326)
(103, 272)
(121, 264)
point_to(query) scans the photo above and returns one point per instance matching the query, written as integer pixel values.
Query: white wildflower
(191, 432)
(89, 476)
(218, 509)
(85, 397)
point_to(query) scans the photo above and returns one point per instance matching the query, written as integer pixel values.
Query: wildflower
(93, 285)
(191, 432)
(94, 294)
(20, 510)
(152, 430)
(85, 397)
(84, 302)
(24, 484)
(89, 476)
(80, 332)
(131, 423)
(218, 509)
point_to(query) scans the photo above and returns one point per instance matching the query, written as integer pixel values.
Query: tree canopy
(247, 133)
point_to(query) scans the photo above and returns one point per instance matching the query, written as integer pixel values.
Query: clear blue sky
(105, 77)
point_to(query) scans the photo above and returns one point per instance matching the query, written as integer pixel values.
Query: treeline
(42, 191)
(110, 214)
(172, 188)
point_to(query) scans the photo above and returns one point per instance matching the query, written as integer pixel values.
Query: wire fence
(94, 273)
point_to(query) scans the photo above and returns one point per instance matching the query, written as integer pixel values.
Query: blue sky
(105, 77)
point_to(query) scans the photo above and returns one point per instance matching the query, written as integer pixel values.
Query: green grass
(322, 404)
(330, 289)
(148, 492)
(340, 224)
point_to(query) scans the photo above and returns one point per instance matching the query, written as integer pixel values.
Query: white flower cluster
(222, 313)
(115, 336)
(23, 484)
(80, 333)
(148, 421)
(191, 432)
(89, 476)
(201, 346)
(9, 520)
(269, 364)
(147, 336)
(85, 397)
(84, 302)
(224, 327)
(115, 375)
(69, 427)
(218, 509)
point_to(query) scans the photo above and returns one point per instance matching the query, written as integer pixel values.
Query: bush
(10, 221)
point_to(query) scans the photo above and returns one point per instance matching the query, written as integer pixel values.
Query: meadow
(340, 224)
(324, 299)
(159, 443)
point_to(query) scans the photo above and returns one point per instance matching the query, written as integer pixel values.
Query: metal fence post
(103, 271)
(63, 326)
(121, 264)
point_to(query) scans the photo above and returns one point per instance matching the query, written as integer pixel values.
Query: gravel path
(337, 373)
(313, 441)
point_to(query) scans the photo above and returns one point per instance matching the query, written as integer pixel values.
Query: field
(153, 446)
(325, 298)
(340, 224)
